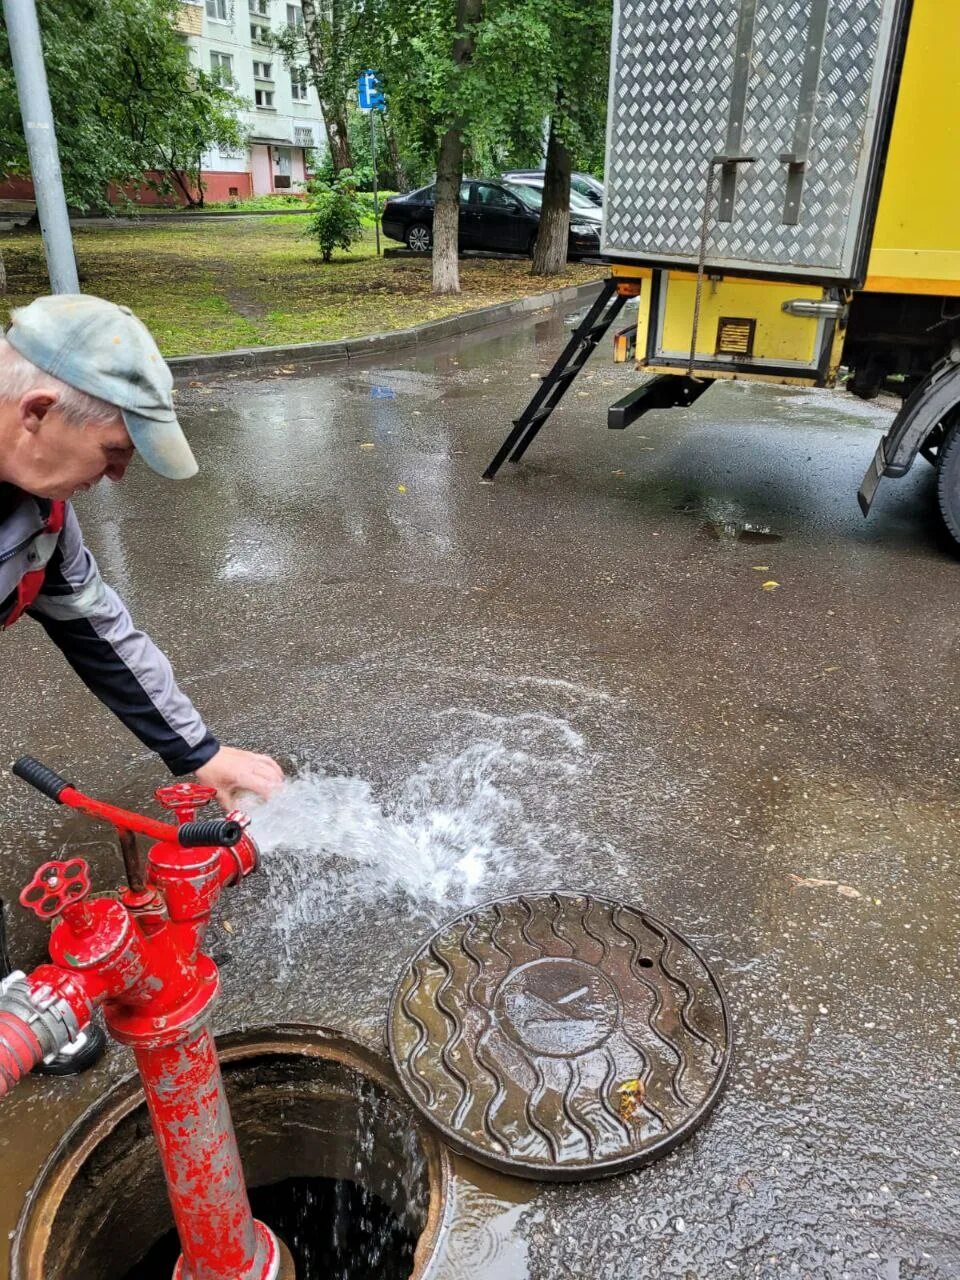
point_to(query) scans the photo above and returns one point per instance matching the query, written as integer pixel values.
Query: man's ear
(34, 407)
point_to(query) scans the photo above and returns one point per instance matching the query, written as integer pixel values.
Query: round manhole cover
(560, 1035)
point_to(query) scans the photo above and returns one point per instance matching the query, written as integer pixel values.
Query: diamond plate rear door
(802, 88)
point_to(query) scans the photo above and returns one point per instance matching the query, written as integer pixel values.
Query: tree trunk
(182, 179)
(550, 253)
(335, 122)
(446, 214)
(396, 161)
(3, 275)
(446, 200)
(322, 60)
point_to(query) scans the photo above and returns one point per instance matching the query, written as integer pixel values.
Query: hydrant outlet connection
(33, 1028)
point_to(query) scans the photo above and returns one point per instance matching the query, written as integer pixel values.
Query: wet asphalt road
(363, 609)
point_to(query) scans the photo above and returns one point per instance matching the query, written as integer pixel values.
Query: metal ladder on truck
(582, 344)
(663, 391)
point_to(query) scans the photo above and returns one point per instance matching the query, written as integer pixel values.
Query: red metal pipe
(198, 1147)
(120, 818)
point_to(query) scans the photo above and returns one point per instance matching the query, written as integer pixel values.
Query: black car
(493, 215)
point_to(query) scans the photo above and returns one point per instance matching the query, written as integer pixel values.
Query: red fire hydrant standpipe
(139, 957)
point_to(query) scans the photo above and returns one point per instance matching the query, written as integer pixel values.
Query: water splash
(454, 831)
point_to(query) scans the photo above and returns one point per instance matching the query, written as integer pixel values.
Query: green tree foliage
(337, 210)
(486, 77)
(398, 169)
(575, 76)
(125, 99)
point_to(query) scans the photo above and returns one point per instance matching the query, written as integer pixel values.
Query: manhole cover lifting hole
(560, 1036)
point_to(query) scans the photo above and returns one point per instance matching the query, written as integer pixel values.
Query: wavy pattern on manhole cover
(560, 1036)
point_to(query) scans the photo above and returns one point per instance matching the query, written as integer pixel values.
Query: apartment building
(230, 38)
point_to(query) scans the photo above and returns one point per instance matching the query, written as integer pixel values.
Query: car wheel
(532, 244)
(419, 238)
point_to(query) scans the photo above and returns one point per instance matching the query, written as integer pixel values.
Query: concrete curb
(254, 359)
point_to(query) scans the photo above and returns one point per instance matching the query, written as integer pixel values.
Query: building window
(264, 98)
(299, 90)
(261, 7)
(221, 66)
(217, 9)
(263, 70)
(295, 17)
(259, 34)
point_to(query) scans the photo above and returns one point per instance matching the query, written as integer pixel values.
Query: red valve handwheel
(185, 798)
(56, 885)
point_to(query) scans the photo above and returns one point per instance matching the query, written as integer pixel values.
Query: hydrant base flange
(272, 1262)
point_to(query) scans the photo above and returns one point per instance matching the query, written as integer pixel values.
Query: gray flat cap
(104, 350)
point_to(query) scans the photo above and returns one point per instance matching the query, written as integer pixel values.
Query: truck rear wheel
(948, 481)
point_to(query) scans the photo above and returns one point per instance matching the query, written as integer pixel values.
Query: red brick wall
(16, 189)
(218, 189)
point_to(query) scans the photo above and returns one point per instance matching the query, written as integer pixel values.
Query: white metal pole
(26, 52)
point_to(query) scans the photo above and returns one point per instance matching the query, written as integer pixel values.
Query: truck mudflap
(920, 414)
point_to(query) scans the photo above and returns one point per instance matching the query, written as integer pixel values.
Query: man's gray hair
(18, 376)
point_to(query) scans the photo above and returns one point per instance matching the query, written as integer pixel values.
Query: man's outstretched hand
(232, 771)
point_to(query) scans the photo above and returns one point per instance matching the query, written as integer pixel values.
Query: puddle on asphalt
(735, 531)
(486, 1240)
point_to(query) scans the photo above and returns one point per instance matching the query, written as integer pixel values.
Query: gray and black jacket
(89, 622)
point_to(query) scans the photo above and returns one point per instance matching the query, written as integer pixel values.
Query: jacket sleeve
(89, 622)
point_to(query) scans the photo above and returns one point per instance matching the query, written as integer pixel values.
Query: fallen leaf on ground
(848, 891)
(631, 1098)
(815, 882)
(366, 446)
(770, 585)
(762, 568)
(401, 488)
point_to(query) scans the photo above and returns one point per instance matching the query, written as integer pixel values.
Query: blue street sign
(369, 94)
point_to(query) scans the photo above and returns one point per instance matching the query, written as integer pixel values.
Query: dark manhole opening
(334, 1229)
(338, 1163)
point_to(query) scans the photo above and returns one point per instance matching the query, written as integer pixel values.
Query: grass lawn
(210, 286)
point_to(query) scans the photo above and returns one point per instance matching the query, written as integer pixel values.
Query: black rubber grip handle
(39, 776)
(214, 831)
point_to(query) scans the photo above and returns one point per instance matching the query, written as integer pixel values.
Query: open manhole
(560, 1036)
(336, 1160)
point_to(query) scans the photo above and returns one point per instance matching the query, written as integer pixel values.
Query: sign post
(370, 99)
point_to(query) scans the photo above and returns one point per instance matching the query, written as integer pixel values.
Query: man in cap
(82, 388)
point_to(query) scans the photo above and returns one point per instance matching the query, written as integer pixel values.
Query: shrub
(337, 210)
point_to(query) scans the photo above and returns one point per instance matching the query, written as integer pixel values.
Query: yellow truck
(782, 195)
